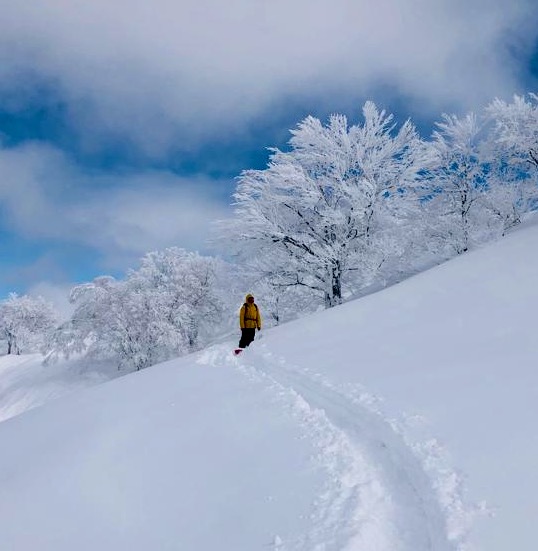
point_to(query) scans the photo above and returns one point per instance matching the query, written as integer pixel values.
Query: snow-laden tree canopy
(516, 127)
(26, 322)
(333, 205)
(163, 309)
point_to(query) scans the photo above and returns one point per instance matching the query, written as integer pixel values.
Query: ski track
(383, 493)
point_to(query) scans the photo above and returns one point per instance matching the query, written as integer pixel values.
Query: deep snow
(26, 383)
(378, 425)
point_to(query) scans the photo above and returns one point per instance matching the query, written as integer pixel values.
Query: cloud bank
(164, 78)
(170, 74)
(45, 197)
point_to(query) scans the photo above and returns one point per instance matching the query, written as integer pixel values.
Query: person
(249, 320)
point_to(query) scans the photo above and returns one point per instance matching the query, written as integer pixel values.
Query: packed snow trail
(379, 497)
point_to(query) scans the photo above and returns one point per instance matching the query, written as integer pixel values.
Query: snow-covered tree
(460, 176)
(159, 311)
(516, 126)
(108, 321)
(513, 143)
(509, 191)
(26, 322)
(332, 209)
(184, 287)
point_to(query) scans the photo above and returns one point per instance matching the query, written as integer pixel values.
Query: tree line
(345, 209)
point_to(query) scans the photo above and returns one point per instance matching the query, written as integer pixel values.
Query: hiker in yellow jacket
(250, 319)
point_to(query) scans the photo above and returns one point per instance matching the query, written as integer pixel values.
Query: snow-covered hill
(380, 425)
(26, 383)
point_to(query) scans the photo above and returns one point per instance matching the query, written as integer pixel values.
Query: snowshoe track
(380, 497)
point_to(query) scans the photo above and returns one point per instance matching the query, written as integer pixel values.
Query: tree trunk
(335, 296)
(12, 345)
(533, 154)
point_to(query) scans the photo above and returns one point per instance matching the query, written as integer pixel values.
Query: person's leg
(247, 336)
(244, 342)
(251, 334)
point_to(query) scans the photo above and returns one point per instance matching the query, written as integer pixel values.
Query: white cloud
(156, 70)
(56, 294)
(45, 197)
(153, 211)
(43, 268)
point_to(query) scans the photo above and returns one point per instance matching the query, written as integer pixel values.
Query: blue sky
(123, 125)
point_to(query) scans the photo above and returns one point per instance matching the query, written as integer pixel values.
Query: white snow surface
(402, 421)
(25, 382)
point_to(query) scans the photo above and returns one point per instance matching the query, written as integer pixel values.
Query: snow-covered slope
(319, 437)
(26, 383)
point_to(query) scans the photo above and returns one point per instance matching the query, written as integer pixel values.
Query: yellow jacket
(249, 315)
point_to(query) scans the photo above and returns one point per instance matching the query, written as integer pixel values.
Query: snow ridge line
(429, 510)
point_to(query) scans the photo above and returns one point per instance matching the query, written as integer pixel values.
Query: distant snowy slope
(287, 447)
(26, 383)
